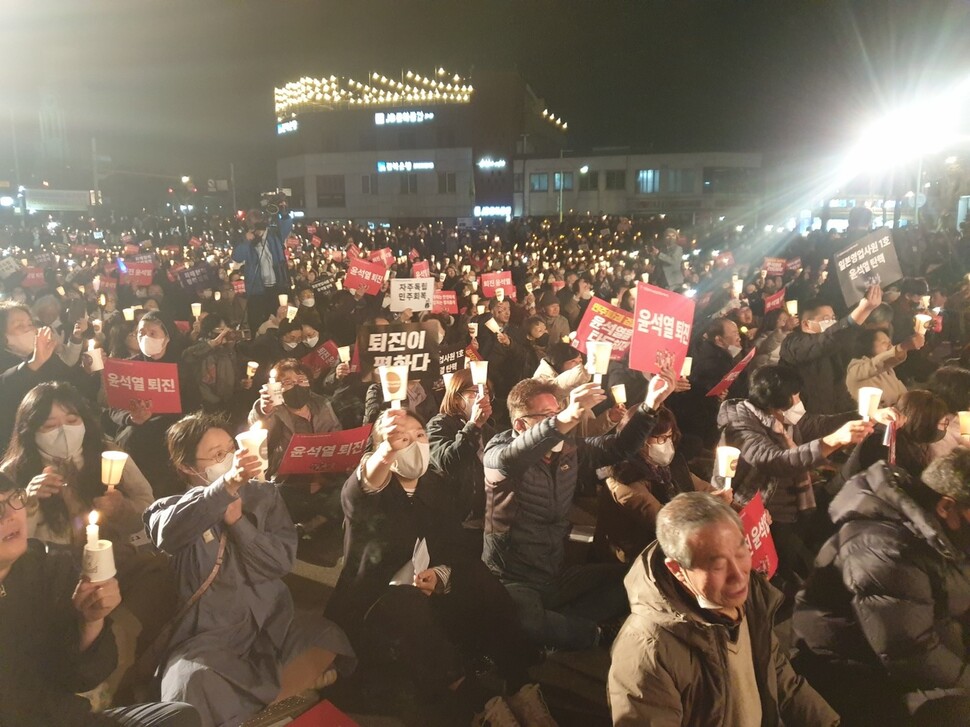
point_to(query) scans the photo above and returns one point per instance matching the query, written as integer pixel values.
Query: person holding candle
(777, 325)
(874, 361)
(242, 646)
(952, 384)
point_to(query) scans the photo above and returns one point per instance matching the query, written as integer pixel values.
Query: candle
(129, 314)
(500, 294)
(528, 287)
(284, 299)
(291, 312)
(924, 302)
(964, 418)
(96, 324)
(81, 289)
(275, 389)
(598, 359)
(727, 464)
(102, 300)
(196, 310)
(792, 307)
(60, 291)
(479, 374)
(343, 352)
(251, 369)
(738, 287)
(614, 301)
(95, 354)
(923, 322)
(92, 531)
(394, 382)
(686, 368)
(492, 325)
(112, 467)
(474, 298)
(253, 441)
(473, 330)
(869, 397)
(481, 309)
(619, 393)
(217, 295)
(338, 284)
(645, 277)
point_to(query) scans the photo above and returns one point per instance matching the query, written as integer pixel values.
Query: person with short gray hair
(698, 647)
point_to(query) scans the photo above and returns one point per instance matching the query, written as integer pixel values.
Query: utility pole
(16, 156)
(232, 184)
(94, 170)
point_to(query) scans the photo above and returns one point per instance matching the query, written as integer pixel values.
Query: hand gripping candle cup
(196, 310)
(394, 382)
(792, 307)
(343, 353)
(97, 361)
(598, 359)
(964, 418)
(869, 397)
(253, 440)
(619, 393)
(479, 374)
(727, 464)
(112, 466)
(98, 560)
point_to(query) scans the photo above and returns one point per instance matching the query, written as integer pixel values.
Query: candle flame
(93, 518)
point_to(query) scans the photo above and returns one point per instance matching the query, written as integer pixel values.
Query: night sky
(173, 85)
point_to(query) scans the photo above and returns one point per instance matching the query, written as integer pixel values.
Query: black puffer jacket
(821, 361)
(890, 590)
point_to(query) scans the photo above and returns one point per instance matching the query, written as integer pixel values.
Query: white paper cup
(394, 382)
(869, 397)
(343, 352)
(481, 309)
(964, 419)
(291, 312)
(129, 314)
(98, 562)
(922, 322)
(112, 466)
(196, 310)
(479, 372)
(727, 461)
(254, 442)
(619, 393)
(492, 325)
(686, 368)
(792, 307)
(598, 357)
(97, 360)
(473, 330)
(500, 294)
(283, 298)
(447, 378)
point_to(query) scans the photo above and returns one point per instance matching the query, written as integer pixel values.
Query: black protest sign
(451, 359)
(324, 286)
(870, 260)
(414, 345)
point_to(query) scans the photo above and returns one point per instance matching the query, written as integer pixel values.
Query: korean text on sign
(324, 453)
(416, 294)
(605, 322)
(367, 275)
(662, 322)
(127, 382)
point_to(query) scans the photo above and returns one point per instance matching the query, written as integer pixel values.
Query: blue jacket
(245, 252)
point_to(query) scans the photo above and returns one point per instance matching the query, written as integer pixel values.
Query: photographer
(261, 250)
(212, 368)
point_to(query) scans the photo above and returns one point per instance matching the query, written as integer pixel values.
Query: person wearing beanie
(882, 623)
(548, 310)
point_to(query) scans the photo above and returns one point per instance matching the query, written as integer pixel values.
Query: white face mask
(151, 347)
(823, 326)
(23, 343)
(289, 346)
(661, 454)
(62, 442)
(214, 471)
(701, 600)
(794, 414)
(412, 461)
(734, 350)
(313, 341)
(308, 302)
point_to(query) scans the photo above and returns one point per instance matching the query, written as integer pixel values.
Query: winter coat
(821, 362)
(877, 371)
(767, 465)
(247, 253)
(456, 455)
(890, 590)
(668, 661)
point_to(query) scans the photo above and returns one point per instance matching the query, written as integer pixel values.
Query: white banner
(414, 293)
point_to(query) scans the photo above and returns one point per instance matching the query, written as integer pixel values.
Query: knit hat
(949, 476)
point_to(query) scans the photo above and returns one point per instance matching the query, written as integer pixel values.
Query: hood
(878, 494)
(742, 414)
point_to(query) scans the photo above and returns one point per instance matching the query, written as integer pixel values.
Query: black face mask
(297, 397)
(543, 340)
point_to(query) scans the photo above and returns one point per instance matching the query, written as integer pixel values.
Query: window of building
(539, 182)
(648, 181)
(730, 180)
(615, 179)
(368, 184)
(297, 185)
(447, 183)
(681, 181)
(563, 179)
(589, 182)
(409, 184)
(330, 191)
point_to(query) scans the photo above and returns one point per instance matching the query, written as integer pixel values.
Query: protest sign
(353, 252)
(196, 277)
(870, 260)
(661, 333)
(491, 281)
(775, 301)
(33, 278)
(794, 265)
(384, 256)
(323, 358)
(416, 294)
(757, 534)
(8, 266)
(138, 274)
(414, 345)
(775, 265)
(324, 286)
(366, 275)
(308, 454)
(724, 260)
(128, 381)
(421, 269)
(451, 360)
(605, 322)
(445, 301)
(239, 287)
(732, 375)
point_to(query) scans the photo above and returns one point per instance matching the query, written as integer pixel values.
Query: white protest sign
(416, 294)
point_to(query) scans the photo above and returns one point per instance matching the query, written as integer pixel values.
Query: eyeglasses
(287, 385)
(16, 501)
(662, 438)
(473, 391)
(540, 415)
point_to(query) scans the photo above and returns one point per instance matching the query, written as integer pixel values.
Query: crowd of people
(451, 528)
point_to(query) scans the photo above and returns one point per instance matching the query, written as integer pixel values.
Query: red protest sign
(308, 454)
(605, 322)
(733, 374)
(293, 242)
(421, 269)
(490, 282)
(794, 265)
(316, 241)
(239, 287)
(33, 278)
(724, 260)
(91, 249)
(757, 534)
(384, 255)
(131, 249)
(662, 322)
(128, 381)
(324, 715)
(445, 301)
(312, 229)
(775, 265)
(366, 275)
(772, 302)
(353, 252)
(323, 358)
(138, 274)
(413, 255)
(195, 242)
(558, 285)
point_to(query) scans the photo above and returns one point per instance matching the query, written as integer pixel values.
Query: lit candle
(291, 312)
(447, 379)
(394, 381)
(686, 368)
(251, 369)
(923, 322)
(92, 531)
(480, 309)
(598, 359)
(924, 302)
(500, 294)
(645, 277)
(792, 307)
(474, 298)
(964, 418)
(112, 467)
(343, 353)
(96, 324)
(196, 310)
(619, 393)
(727, 464)
(253, 440)
(284, 299)
(473, 330)
(129, 314)
(479, 374)
(869, 397)
(60, 291)
(217, 295)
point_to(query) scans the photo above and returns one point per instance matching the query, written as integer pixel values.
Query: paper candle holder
(869, 397)
(291, 312)
(97, 359)
(254, 441)
(251, 368)
(196, 310)
(479, 371)
(619, 393)
(447, 378)
(598, 358)
(394, 383)
(112, 467)
(343, 353)
(923, 322)
(473, 330)
(492, 325)
(500, 294)
(283, 298)
(727, 464)
(792, 307)
(687, 367)
(129, 314)
(964, 419)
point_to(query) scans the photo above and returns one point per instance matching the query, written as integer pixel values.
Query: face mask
(289, 346)
(586, 294)
(795, 413)
(63, 442)
(543, 340)
(297, 397)
(467, 406)
(938, 435)
(661, 454)
(412, 461)
(313, 341)
(823, 326)
(214, 471)
(23, 343)
(701, 600)
(733, 350)
(308, 302)
(151, 347)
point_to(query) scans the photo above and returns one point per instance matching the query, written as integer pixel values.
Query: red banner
(33, 278)
(138, 275)
(775, 265)
(128, 381)
(757, 534)
(323, 358)
(724, 260)
(195, 242)
(131, 249)
(367, 275)
(491, 281)
(384, 255)
(316, 241)
(353, 252)
(309, 454)
(733, 374)
(421, 269)
(794, 265)
(293, 242)
(775, 301)
(239, 287)
(413, 255)
(661, 334)
(445, 301)
(605, 322)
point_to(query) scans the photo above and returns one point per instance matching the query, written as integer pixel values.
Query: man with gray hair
(698, 648)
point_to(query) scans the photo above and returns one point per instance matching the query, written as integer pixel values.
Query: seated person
(699, 646)
(241, 646)
(55, 635)
(874, 359)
